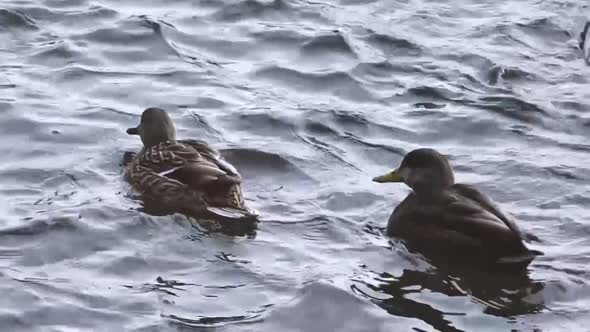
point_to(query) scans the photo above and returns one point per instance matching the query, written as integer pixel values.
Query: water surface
(310, 100)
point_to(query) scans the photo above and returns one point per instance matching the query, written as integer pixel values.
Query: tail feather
(230, 213)
(523, 258)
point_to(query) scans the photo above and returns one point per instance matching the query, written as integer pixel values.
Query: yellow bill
(389, 177)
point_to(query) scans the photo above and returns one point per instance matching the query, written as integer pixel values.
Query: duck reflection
(501, 293)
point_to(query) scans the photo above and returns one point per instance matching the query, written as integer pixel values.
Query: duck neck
(154, 140)
(430, 191)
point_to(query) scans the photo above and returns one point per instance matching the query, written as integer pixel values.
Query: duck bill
(132, 131)
(394, 176)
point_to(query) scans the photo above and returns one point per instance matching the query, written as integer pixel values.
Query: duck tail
(522, 258)
(230, 213)
(228, 220)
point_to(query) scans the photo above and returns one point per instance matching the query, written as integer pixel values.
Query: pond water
(310, 100)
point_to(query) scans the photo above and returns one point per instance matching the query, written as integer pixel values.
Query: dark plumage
(187, 176)
(456, 221)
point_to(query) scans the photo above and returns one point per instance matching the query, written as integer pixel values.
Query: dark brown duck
(451, 220)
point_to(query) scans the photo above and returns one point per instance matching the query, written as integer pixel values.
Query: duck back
(460, 224)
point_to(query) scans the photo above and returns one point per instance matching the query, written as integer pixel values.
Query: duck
(453, 221)
(187, 176)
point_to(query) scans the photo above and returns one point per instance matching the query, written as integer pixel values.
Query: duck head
(155, 127)
(424, 170)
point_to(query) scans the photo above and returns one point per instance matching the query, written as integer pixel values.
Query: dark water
(310, 100)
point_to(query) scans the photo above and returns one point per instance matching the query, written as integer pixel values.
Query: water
(309, 100)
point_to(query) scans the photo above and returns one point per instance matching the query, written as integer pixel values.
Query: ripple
(71, 315)
(584, 42)
(246, 9)
(573, 105)
(58, 54)
(381, 70)
(498, 74)
(339, 201)
(540, 32)
(285, 37)
(337, 83)
(512, 107)
(568, 173)
(314, 310)
(39, 227)
(16, 20)
(436, 93)
(327, 44)
(203, 322)
(136, 30)
(391, 45)
(265, 124)
(132, 30)
(255, 163)
(429, 106)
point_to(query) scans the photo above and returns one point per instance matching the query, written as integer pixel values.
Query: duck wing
(478, 216)
(225, 194)
(184, 163)
(461, 222)
(461, 209)
(194, 165)
(482, 206)
(457, 219)
(428, 225)
(211, 155)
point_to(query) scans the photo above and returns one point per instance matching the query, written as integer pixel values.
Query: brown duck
(187, 176)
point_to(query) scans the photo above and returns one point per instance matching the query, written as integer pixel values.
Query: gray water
(309, 100)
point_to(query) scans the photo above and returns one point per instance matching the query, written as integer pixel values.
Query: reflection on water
(498, 294)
